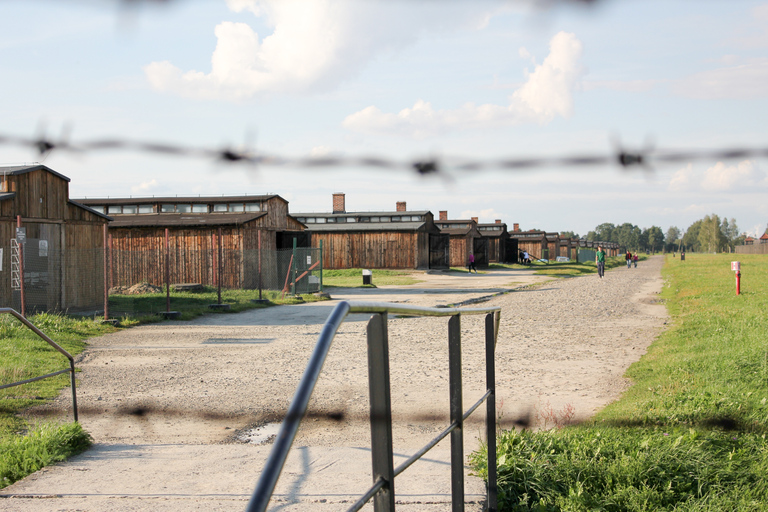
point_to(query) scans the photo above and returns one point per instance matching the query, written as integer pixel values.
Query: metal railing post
(490, 412)
(381, 412)
(456, 406)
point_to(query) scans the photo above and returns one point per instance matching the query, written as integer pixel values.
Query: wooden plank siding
(64, 251)
(390, 249)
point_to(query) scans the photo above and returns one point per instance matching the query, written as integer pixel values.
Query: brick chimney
(338, 203)
(401, 206)
(498, 221)
(443, 214)
(515, 227)
(475, 219)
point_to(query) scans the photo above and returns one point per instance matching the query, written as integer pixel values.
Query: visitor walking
(634, 260)
(628, 257)
(472, 263)
(600, 261)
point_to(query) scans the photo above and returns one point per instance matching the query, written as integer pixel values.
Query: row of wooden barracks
(37, 198)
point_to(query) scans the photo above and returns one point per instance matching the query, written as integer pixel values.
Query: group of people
(524, 258)
(631, 258)
(600, 260)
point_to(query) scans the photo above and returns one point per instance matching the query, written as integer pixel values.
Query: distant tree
(605, 233)
(591, 236)
(691, 237)
(642, 240)
(569, 234)
(672, 237)
(655, 239)
(627, 236)
(711, 237)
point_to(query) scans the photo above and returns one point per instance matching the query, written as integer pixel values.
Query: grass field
(691, 432)
(353, 278)
(144, 308)
(24, 355)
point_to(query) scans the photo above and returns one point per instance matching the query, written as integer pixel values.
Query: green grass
(691, 432)
(353, 278)
(47, 444)
(24, 355)
(144, 308)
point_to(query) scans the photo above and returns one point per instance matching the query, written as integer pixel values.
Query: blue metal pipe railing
(381, 433)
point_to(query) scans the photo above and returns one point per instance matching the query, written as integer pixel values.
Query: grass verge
(48, 444)
(353, 278)
(144, 308)
(691, 432)
(566, 268)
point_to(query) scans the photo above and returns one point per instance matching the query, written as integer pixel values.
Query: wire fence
(644, 159)
(41, 277)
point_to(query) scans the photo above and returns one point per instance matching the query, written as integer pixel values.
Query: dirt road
(172, 407)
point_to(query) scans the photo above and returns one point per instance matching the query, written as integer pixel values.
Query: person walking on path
(628, 257)
(634, 260)
(600, 261)
(472, 263)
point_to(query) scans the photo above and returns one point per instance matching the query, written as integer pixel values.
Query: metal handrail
(52, 343)
(381, 430)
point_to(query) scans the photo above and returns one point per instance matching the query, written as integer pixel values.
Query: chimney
(401, 206)
(515, 227)
(498, 221)
(475, 219)
(443, 214)
(338, 203)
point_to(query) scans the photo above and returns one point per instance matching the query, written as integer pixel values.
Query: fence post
(321, 265)
(167, 274)
(21, 269)
(260, 265)
(293, 268)
(221, 264)
(381, 412)
(490, 412)
(457, 413)
(106, 276)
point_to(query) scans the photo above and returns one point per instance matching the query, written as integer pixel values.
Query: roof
(184, 219)
(154, 200)
(87, 208)
(366, 226)
(7, 195)
(15, 170)
(359, 214)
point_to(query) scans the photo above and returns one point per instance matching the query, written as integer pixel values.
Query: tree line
(710, 234)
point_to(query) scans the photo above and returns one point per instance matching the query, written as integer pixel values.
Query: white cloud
(546, 94)
(144, 187)
(682, 180)
(748, 80)
(743, 176)
(314, 45)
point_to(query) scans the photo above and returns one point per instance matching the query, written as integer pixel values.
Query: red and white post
(736, 267)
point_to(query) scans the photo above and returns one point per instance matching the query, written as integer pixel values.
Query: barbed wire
(637, 159)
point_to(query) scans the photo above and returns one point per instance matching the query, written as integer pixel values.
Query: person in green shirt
(600, 261)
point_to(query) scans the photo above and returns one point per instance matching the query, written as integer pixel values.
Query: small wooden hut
(465, 239)
(498, 242)
(63, 249)
(399, 239)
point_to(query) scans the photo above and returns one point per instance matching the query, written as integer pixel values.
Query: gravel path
(563, 346)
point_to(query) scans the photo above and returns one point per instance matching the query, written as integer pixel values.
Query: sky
(455, 81)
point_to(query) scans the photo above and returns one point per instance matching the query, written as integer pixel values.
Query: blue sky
(402, 80)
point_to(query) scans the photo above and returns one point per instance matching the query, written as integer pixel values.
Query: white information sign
(43, 248)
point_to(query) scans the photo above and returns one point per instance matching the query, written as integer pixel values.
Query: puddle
(259, 435)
